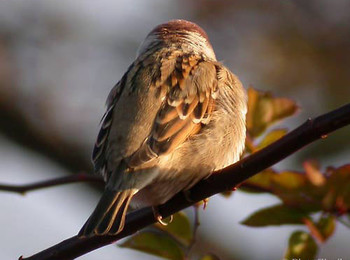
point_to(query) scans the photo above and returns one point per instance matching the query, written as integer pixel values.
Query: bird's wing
(187, 84)
(184, 85)
(100, 147)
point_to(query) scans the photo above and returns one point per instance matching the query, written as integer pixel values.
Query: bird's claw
(205, 203)
(159, 217)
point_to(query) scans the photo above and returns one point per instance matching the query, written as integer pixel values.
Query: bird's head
(179, 34)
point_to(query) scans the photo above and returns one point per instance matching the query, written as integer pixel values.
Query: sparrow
(175, 116)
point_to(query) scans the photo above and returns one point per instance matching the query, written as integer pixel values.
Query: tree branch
(80, 177)
(220, 181)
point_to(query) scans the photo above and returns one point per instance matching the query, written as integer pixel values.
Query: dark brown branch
(80, 177)
(85, 177)
(222, 180)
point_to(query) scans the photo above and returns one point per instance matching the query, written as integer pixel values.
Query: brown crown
(178, 26)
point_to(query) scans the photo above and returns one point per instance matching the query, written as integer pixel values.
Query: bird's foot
(159, 217)
(203, 202)
(187, 195)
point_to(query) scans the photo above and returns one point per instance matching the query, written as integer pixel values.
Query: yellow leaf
(271, 137)
(313, 173)
(264, 109)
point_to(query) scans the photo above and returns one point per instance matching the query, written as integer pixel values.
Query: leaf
(326, 226)
(312, 170)
(323, 229)
(264, 109)
(180, 228)
(210, 257)
(289, 180)
(329, 200)
(274, 182)
(307, 192)
(337, 190)
(339, 184)
(301, 246)
(261, 181)
(276, 215)
(155, 244)
(271, 137)
(293, 188)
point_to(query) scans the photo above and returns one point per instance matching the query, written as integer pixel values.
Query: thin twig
(219, 181)
(80, 177)
(196, 224)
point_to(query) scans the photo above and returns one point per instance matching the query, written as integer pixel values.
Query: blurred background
(59, 60)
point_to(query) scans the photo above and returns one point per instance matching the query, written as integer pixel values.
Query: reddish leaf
(264, 109)
(313, 173)
(339, 184)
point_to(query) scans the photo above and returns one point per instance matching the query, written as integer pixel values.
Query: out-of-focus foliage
(264, 109)
(301, 246)
(179, 228)
(171, 243)
(298, 190)
(276, 215)
(156, 244)
(302, 194)
(210, 257)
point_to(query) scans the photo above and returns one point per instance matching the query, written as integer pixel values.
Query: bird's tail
(109, 215)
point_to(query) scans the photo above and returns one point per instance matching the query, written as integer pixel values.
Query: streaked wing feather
(98, 153)
(188, 103)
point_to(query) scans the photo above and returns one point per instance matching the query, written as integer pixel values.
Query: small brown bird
(176, 115)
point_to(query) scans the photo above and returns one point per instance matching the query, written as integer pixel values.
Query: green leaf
(276, 215)
(260, 181)
(180, 228)
(210, 257)
(323, 229)
(289, 180)
(155, 244)
(264, 109)
(275, 182)
(301, 246)
(293, 188)
(271, 137)
(326, 226)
